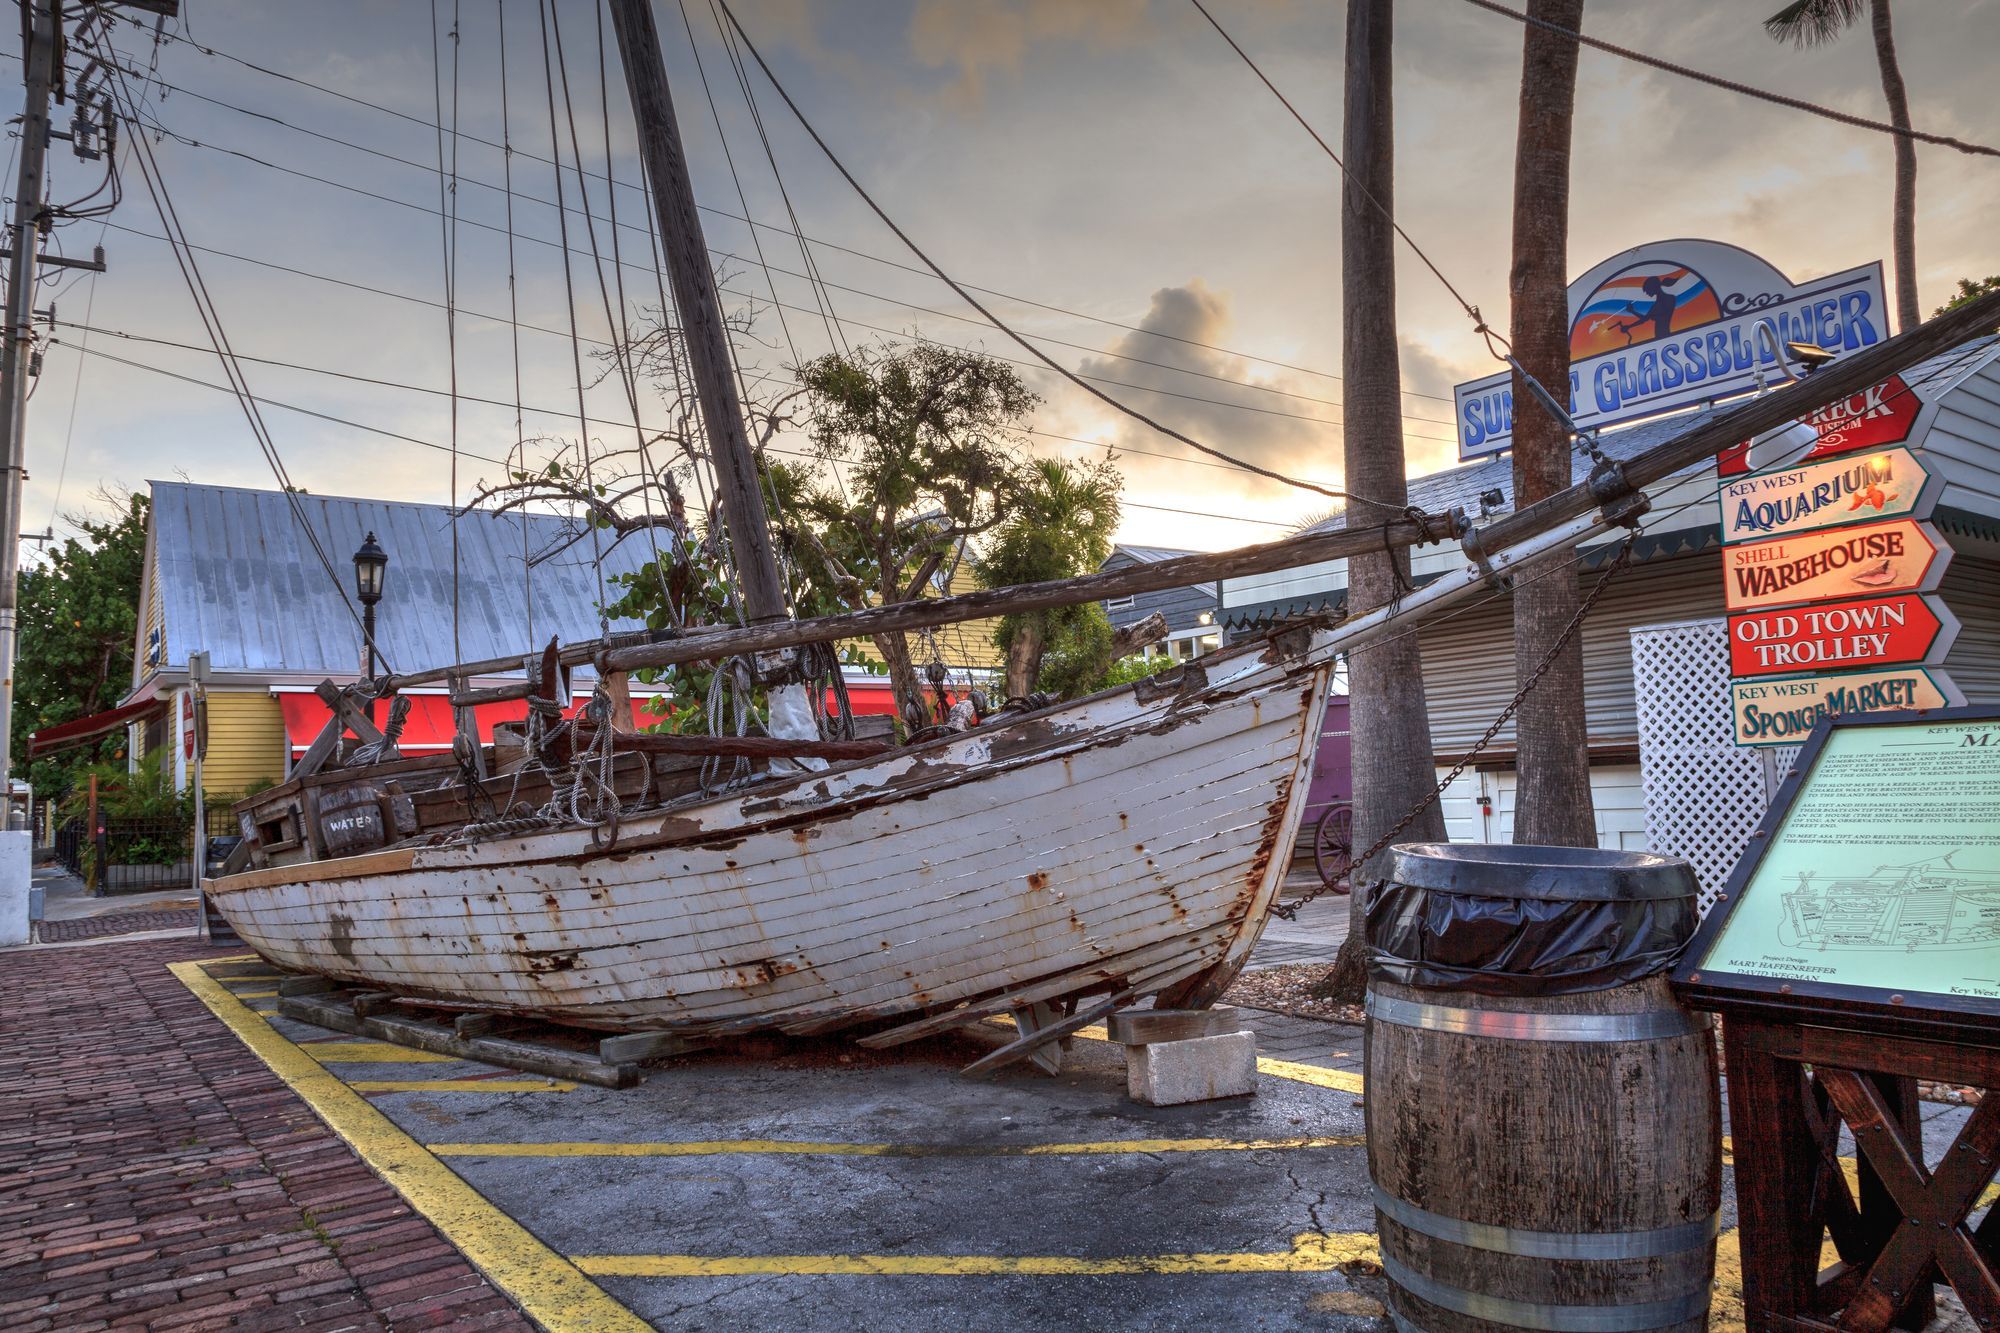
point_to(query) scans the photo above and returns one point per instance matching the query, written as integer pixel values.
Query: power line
(1041, 364)
(518, 405)
(718, 212)
(211, 322)
(811, 278)
(969, 299)
(267, 401)
(1470, 309)
(1717, 81)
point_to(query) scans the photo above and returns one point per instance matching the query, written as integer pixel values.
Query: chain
(1291, 912)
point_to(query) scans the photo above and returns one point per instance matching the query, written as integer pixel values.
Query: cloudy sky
(1105, 172)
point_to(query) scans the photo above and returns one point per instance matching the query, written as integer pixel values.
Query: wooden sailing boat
(1055, 864)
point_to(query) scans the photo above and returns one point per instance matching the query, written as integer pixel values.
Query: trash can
(1544, 1122)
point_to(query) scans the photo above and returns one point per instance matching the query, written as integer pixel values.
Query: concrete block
(16, 877)
(1198, 1069)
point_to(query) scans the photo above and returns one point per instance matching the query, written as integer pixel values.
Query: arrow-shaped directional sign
(1902, 555)
(1860, 488)
(1780, 711)
(1841, 636)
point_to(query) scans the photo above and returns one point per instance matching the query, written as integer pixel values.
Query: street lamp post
(371, 562)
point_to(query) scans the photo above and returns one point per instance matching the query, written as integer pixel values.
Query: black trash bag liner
(1527, 921)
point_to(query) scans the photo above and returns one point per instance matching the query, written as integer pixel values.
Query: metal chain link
(1291, 912)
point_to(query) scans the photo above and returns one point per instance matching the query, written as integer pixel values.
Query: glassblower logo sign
(1674, 323)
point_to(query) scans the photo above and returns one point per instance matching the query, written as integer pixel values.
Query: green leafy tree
(1058, 525)
(1969, 290)
(1081, 656)
(924, 439)
(79, 615)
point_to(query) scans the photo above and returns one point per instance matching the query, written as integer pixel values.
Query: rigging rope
(569, 305)
(1471, 310)
(615, 322)
(514, 323)
(448, 241)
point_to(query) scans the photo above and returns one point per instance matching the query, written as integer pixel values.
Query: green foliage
(79, 616)
(1969, 290)
(1078, 658)
(1058, 525)
(1128, 669)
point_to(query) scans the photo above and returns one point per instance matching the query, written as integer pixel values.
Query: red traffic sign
(1841, 636)
(1868, 559)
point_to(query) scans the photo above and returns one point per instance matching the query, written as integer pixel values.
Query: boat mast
(700, 309)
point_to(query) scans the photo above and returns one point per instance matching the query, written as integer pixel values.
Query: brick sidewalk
(115, 923)
(158, 1175)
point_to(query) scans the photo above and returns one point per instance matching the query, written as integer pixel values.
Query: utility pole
(17, 342)
(700, 310)
(1392, 758)
(737, 483)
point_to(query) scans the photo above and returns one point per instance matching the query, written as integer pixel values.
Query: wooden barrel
(1540, 1161)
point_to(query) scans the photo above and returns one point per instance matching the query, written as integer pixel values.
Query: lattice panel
(1704, 793)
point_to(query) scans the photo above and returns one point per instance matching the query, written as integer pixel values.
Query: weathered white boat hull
(1120, 843)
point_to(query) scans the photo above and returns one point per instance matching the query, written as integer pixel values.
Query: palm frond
(1808, 23)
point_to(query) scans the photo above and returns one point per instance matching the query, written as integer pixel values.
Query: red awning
(65, 734)
(430, 727)
(867, 700)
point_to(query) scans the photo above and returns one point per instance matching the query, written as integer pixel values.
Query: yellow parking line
(547, 1287)
(461, 1085)
(1311, 1252)
(1316, 1075)
(371, 1052)
(783, 1147)
(252, 994)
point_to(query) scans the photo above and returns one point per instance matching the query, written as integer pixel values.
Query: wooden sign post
(1856, 951)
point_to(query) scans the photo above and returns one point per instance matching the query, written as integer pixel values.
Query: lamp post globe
(371, 564)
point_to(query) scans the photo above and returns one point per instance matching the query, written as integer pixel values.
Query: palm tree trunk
(1552, 751)
(1392, 755)
(1908, 310)
(904, 682)
(1024, 657)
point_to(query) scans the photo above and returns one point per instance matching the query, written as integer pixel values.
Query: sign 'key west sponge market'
(1672, 324)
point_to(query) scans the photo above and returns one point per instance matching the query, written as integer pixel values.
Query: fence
(136, 855)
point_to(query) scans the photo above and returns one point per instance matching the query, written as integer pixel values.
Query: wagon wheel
(1333, 846)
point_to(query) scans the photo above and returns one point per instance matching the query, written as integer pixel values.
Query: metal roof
(1145, 555)
(236, 577)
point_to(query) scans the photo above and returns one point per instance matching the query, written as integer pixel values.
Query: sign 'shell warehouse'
(1898, 556)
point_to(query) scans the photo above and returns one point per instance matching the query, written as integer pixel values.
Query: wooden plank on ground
(1024, 1046)
(337, 1013)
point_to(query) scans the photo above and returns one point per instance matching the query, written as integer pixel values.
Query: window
(1113, 605)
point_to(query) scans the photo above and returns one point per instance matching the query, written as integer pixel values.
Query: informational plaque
(1878, 875)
